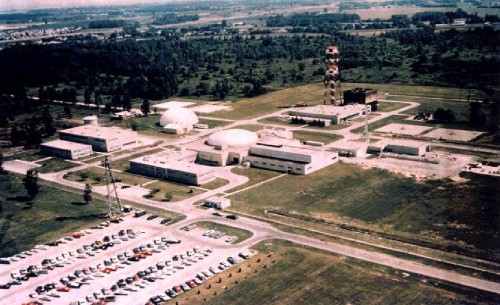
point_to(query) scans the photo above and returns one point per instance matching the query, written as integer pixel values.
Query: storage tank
(90, 120)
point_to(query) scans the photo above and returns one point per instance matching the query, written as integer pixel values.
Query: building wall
(406, 150)
(218, 158)
(66, 153)
(276, 165)
(165, 173)
(281, 154)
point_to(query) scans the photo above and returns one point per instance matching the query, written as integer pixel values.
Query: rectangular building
(170, 167)
(336, 114)
(290, 159)
(66, 150)
(104, 139)
(406, 147)
(360, 96)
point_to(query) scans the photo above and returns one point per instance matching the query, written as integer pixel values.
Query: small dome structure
(178, 116)
(232, 138)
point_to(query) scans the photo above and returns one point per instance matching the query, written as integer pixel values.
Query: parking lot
(106, 261)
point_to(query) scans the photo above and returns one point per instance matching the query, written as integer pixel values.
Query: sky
(6, 5)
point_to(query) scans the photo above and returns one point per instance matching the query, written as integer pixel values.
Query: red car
(191, 283)
(177, 289)
(63, 288)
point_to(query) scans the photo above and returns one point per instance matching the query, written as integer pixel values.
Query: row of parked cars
(84, 276)
(69, 257)
(197, 280)
(140, 279)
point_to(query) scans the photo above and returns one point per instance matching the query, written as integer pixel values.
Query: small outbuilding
(217, 202)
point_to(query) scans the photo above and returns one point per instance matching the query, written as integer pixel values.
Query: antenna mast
(113, 201)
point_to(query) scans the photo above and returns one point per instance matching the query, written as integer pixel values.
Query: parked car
(166, 220)
(234, 217)
(152, 217)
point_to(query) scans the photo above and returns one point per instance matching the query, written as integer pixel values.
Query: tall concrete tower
(331, 75)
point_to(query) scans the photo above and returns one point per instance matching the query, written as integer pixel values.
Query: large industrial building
(226, 147)
(396, 146)
(178, 120)
(104, 139)
(174, 165)
(334, 114)
(66, 150)
(300, 160)
(361, 96)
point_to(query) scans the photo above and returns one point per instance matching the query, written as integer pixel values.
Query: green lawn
(229, 230)
(55, 165)
(26, 155)
(51, 215)
(97, 176)
(388, 106)
(461, 109)
(423, 91)
(177, 191)
(250, 127)
(301, 275)
(276, 120)
(312, 94)
(215, 184)
(316, 136)
(254, 174)
(213, 123)
(442, 213)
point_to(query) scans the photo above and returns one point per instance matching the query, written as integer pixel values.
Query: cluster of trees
(106, 23)
(443, 116)
(50, 94)
(310, 19)
(297, 120)
(174, 18)
(29, 133)
(448, 17)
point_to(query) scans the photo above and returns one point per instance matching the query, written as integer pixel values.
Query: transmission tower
(331, 80)
(113, 201)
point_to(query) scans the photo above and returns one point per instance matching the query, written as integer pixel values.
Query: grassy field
(97, 176)
(25, 223)
(388, 107)
(284, 273)
(177, 191)
(312, 94)
(55, 165)
(461, 109)
(442, 213)
(230, 231)
(250, 127)
(254, 174)
(215, 184)
(316, 136)
(26, 155)
(213, 123)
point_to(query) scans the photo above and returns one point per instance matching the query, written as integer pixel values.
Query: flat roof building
(301, 160)
(349, 148)
(336, 114)
(66, 150)
(100, 138)
(173, 165)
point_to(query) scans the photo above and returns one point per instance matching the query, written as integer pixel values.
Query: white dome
(232, 137)
(178, 115)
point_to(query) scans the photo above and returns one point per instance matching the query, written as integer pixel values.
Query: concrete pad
(405, 129)
(19, 166)
(172, 104)
(453, 134)
(208, 108)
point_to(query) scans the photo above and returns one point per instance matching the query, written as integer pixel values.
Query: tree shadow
(81, 217)
(78, 203)
(19, 198)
